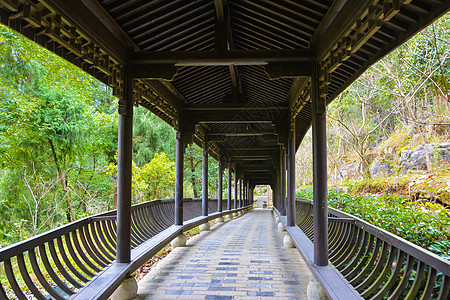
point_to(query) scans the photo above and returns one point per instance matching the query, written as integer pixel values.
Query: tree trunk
(70, 217)
(194, 184)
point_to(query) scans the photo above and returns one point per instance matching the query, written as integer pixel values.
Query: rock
(315, 291)
(126, 290)
(415, 159)
(288, 242)
(281, 227)
(378, 168)
(204, 227)
(179, 241)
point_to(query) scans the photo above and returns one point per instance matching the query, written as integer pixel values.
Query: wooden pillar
(240, 193)
(290, 208)
(205, 180)
(247, 193)
(179, 167)
(283, 182)
(230, 174)
(319, 137)
(124, 174)
(219, 187)
(235, 189)
(275, 195)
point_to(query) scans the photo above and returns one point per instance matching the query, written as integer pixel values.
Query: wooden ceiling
(239, 70)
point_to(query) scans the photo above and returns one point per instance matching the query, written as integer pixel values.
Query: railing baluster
(12, 280)
(334, 232)
(365, 264)
(393, 277)
(60, 267)
(2, 292)
(51, 272)
(380, 260)
(93, 242)
(90, 248)
(417, 281)
(62, 251)
(445, 287)
(347, 234)
(405, 279)
(350, 251)
(136, 232)
(109, 251)
(357, 258)
(26, 277)
(74, 256)
(42, 280)
(376, 279)
(76, 237)
(429, 286)
(111, 233)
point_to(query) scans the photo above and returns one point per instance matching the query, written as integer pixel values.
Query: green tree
(158, 177)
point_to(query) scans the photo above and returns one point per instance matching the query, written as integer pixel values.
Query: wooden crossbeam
(220, 58)
(231, 107)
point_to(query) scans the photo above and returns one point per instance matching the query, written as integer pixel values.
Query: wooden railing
(378, 264)
(67, 259)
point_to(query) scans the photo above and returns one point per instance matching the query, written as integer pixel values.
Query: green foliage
(158, 176)
(58, 131)
(151, 135)
(422, 223)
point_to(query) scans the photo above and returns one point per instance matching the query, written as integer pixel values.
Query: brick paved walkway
(240, 259)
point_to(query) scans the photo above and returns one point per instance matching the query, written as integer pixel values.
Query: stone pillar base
(229, 217)
(277, 220)
(220, 220)
(126, 290)
(315, 291)
(287, 241)
(204, 227)
(179, 241)
(281, 227)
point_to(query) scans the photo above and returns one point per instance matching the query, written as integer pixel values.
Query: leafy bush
(423, 223)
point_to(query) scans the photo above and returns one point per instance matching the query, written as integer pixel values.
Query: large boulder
(378, 168)
(415, 159)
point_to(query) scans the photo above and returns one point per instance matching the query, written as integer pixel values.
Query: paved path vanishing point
(239, 259)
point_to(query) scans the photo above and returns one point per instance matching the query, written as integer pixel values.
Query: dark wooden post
(275, 196)
(219, 187)
(124, 173)
(283, 182)
(230, 174)
(179, 166)
(235, 189)
(319, 136)
(205, 180)
(240, 193)
(290, 212)
(244, 193)
(247, 193)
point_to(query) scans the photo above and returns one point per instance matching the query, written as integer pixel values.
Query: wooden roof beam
(338, 22)
(92, 20)
(205, 108)
(220, 58)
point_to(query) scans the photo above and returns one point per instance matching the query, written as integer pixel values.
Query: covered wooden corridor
(244, 80)
(242, 258)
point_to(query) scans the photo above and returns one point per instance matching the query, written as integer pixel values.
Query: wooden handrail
(376, 263)
(79, 257)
